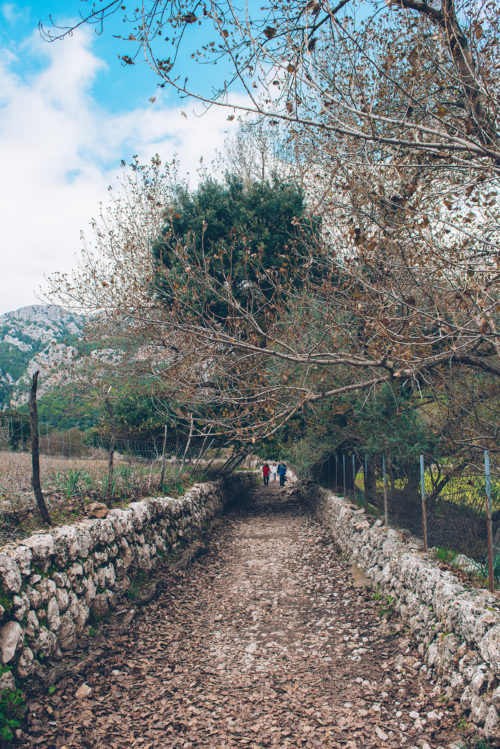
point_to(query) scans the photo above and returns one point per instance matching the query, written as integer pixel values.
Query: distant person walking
(282, 473)
(265, 472)
(274, 471)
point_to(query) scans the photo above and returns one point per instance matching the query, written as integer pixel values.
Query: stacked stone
(458, 629)
(54, 583)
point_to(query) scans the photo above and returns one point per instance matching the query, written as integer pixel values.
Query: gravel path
(265, 641)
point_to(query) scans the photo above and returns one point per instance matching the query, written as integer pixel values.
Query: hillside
(34, 337)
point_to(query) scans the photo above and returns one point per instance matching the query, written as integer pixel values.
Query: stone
(25, 664)
(42, 547)
(75, 571)
(61, 579)
(22, 556)
(47, 589)
(20, 606)
(105, 577)
(97, 510)
(478, 682)
(489, 647)
(83, 692)
(7, 681)
(496, 697)
(62, 599)
(53, 617)
(90, 591)
(100, 606)
(10, 575)
(11, 635)
(67, 632)
(381, 734)
(32, 625)
(478, 709)
(46, 643)
(34, 597)
(492, 724)
(79, 611)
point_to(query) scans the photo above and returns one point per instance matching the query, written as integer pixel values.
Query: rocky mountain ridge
(35, 337)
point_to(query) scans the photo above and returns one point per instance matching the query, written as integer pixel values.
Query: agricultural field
(70, 485)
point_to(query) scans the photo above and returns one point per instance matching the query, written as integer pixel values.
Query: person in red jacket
(265, 472)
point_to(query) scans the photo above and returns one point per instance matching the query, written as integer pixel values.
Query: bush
(12, 709)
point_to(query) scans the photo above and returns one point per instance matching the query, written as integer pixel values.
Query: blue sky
(69, 112)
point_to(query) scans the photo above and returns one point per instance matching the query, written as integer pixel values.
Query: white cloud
(59, 151)
(13, 13)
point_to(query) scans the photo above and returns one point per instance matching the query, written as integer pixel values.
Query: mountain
(35, 337)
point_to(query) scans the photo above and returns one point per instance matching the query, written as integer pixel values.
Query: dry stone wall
(457, 627)
(55, 584)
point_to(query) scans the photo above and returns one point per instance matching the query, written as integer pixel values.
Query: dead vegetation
(71, 485)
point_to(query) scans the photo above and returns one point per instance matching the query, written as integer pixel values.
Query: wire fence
(455, 511)
(77, 467)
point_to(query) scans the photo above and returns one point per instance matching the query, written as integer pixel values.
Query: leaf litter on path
(265, 641)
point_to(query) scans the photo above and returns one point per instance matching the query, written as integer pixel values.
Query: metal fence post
(386, 513)
(424, 507)
(354, 476)
(365, 472)
(336, 473)
(487, 482)
(343, 470)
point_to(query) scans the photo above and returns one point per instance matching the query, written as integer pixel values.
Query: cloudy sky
(69, 112)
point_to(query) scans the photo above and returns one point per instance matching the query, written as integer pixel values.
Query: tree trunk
(112, 444)
(187, 446)
(35, 453)
(162, 474)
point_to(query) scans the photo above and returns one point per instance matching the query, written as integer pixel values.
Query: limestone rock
(34, 597)
(11, 635)
(22, 556)
(46, 642)
(32, 625)
(42, 547)
(478, 709)
(97, 510)
(489, 647)
(25, 664)
(100, 606)
(10, 575)
(62, 599)
(83, 692)
(492, 724)
(7, 681)
(67, 632)
(53, 618)
(47, 589)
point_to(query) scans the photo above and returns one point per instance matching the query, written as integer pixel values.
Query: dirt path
(262, 642)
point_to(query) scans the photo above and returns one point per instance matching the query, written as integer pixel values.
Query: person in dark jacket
(282, 473)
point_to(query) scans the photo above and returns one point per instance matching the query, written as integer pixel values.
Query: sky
(69, 113)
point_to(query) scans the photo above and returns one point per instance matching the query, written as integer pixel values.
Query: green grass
(445, 555)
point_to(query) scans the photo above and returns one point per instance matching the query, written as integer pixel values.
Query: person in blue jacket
(282, 473)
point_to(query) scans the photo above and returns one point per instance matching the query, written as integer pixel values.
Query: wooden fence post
(487, 481)
(35, 452)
